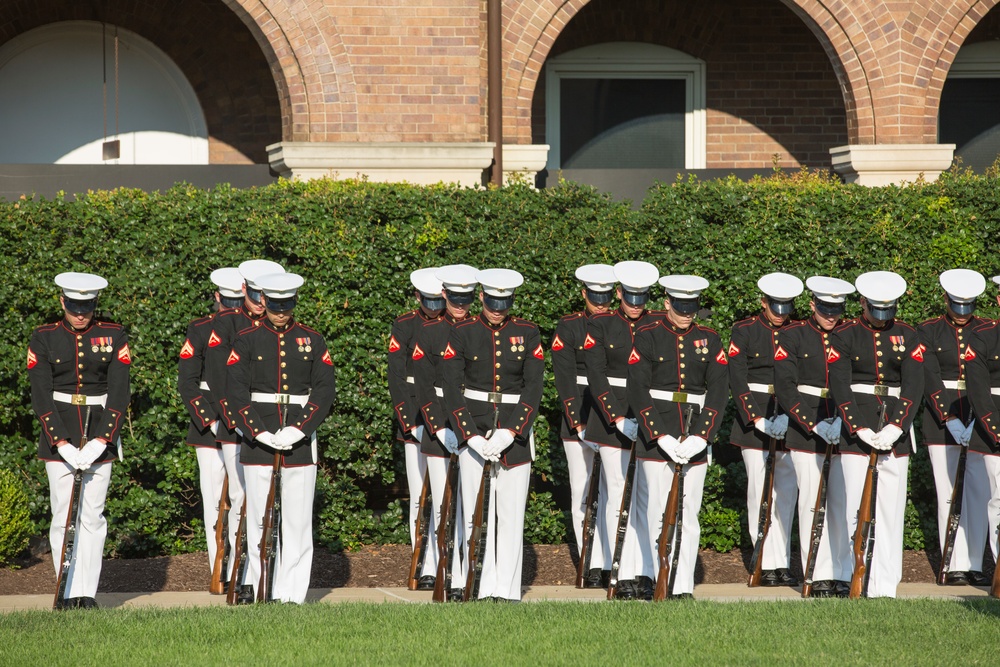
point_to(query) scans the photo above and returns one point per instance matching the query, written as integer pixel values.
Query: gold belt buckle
(680, 397)
(960, 385)
(78, 399)
(880, 390)
(282, 399)
(770, 389)
(494, 397)
(824, 393)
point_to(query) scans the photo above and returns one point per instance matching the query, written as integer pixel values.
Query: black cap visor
(599, 298)
(230, 301)
(80, 307)
(882, 313)
(780, 307)
(685, 306)
(280, 305)
(254, 294)
(828, 308)
(966, 308)
(498, 303)
(432, 303)
(459, 298)
(635, 298)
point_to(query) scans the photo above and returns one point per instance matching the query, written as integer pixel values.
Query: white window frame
(630, 60)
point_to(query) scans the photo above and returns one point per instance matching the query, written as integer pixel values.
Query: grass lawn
(834, 632)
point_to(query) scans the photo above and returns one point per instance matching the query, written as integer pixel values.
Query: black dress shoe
(70, 603)
(824, 588)
(978, 578)
(841, 589)
(425, 583)
(644, 588)
(956, 579)
(681, 596)
(88, 603)
(625, 590)
(785, 577)
(593, 579)
(246, 595)
(456, 594)
(769, 578)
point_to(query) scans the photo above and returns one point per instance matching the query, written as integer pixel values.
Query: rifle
(864, 534)
(221, 561)
(68, 555)
(270, 535)
(616, 560)
(480, 530)
(995, 587)
(673, 523)
(954, 515)
(239, 557)
(818, 523)
(589, 521)
(763, 517)
(422, 530)
(446, 533)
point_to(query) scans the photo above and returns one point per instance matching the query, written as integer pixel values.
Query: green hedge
(357, 242)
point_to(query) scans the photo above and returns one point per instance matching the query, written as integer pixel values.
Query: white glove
(956, 428)
(691, 446)
(447, 439)
(265, 438)
(590, 443)
(762, 425)
(667, 444)
(582, 433)
(481, 446)
(779, 426)
(418, 433)
(967, 433)
(71, 455)
(866, 435)
(829, 430)
(500, 441)
(90, 453)
(887, 437)
(628, 427)
(286, 437)
(214, 426)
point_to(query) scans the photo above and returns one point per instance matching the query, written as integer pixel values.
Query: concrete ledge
(891, 164)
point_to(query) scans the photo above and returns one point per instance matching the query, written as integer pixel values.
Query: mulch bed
(372, 567)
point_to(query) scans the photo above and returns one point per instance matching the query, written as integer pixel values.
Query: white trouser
(213, 467)
(659, 476)
(502, 562)
(890, 509)
(636, 560)
(416, 466)
(833, 557)
(992, 465)
(437, 469)
(580, 461)
(971, 535)
(295, 547)
(85, 570)
(778, 545)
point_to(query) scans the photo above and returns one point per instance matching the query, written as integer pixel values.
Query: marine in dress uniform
(677, 368)
(570, 368)
(947, 423)
(754, 344)
(613, 426)
(215, 463)
(458, 285)
(226, 326)
(409, 427)
(982, 367)
(281, 386)
(801, 386)
(492, 372)
(79, 373)
(875, 361)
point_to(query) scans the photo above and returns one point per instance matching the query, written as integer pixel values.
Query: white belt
(410, 380)
(492, 396)
(811, 390)
(617, 382)
(80, 399)
(280, 399)
(876, 389)
(761, 388)
(678, 397)
(954, 384)
(995, 391)
(582, 380)
(203, 385)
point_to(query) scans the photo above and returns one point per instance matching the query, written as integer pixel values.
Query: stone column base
(523, 162)
(888, 164)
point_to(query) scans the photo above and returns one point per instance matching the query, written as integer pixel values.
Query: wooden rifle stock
(446, 533)
(589, 521)
(480, 530)
(68, 552)
(864, 533)
(221, 560)
(818, 523)
(673, 522)
(763, 518)
(995, 587)
(239, 557)
(626, 506)
(269, 536)
(422, 530)
(954, 516)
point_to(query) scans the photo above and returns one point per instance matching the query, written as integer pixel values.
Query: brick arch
(310, 67)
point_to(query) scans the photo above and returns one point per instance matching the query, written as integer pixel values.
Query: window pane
(970, 119)
(621, 123)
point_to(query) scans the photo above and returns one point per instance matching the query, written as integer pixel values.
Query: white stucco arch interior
(52, 109)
